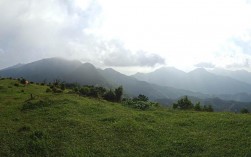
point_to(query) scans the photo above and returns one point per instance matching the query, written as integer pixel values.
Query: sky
(128, 35)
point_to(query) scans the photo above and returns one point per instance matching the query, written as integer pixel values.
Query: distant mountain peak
(199, 70)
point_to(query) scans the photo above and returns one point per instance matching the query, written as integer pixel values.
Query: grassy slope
(69, 125)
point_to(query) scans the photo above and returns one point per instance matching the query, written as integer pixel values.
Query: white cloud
(180, 32)
(184, 32)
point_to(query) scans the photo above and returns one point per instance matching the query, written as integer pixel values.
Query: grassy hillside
(68, 125)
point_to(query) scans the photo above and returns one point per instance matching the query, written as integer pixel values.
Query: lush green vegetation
(39, 123)
(186, 104)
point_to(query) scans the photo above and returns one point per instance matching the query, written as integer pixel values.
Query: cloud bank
(32, 30)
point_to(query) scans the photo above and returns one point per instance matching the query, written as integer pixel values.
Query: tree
(110, 95)
(183, 103)
(208, 108)
(244, 110)
(142, 97)
(62, 86)
(197, 106)
(119, 93)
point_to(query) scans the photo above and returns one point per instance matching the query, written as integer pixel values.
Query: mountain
(168, 76)
(135, 87)
(198, 80)
(47, 70)
(240, 75)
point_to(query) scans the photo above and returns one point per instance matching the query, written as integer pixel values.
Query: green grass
(68, 125)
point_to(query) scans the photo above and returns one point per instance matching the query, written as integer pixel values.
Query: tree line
(186, 104)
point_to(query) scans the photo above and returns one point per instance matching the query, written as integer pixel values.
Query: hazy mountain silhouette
(86, 74)
(240, 75)
(198, 80)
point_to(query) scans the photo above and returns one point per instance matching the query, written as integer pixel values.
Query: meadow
(66, 124)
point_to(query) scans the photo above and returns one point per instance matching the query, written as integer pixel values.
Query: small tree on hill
(244, 110)
(110, 96)
(142, 97)
(197, 106)
(119, 93)
(183, 103)
(208, 108)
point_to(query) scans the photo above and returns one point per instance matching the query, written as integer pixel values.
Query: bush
(138, 104)
(109, 96)
(208, 108)
(62, 86)
(16, 84)
(244, 110)
(48, 90)
(118, 93)
(183, 103)
(22, 80)
(197, 106)
(142, 97)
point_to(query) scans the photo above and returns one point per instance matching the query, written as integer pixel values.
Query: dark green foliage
(56, 87)
(101, 92)
(208, 108)
(16, 84)
(56, 82)
(89, 91)
(109, 95)
(244, 110)
(48, 90)
(62, 86)
(141, 97)
(197, 106)
(139, 104)
(56, 90)
(183, 104)
(118, 93)
(22, 81)
(84, 91)
(72, 85)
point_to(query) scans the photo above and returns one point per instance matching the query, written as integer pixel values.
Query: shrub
(48, 90)
(62, 86)
(56, 90)
(109, 96)
(197, 106)
(16, 84)
(244, 110)
(142, 105)
(183, 103)
(22, 80)
(84, 91)
(208, 108)
(142, 97)
(118, 93)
